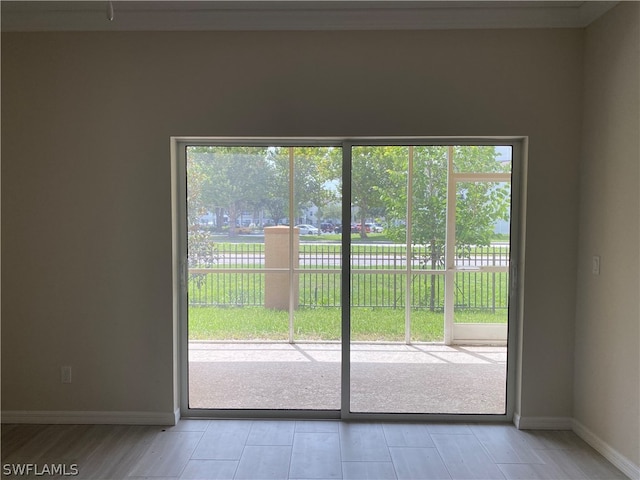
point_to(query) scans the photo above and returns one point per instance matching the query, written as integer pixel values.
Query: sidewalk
(419, 378)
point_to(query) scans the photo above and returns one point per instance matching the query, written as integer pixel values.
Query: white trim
(480, 333)
(542, 423)
(516, 420)
(617, 459)
(179, 143)
(409, 247)
(450, 251)
(297, 15)
(93, 418)
(621, 462)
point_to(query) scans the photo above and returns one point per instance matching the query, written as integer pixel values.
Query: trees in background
(233, 179)
(479, 205)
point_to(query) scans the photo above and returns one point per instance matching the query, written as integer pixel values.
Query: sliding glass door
(440, 334)
(344, 277)
(262, 279)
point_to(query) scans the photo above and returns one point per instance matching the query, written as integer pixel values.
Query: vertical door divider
(345, 292)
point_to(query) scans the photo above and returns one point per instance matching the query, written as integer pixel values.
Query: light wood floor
(289, 449)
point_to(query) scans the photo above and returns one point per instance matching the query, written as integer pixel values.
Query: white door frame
(179, 249)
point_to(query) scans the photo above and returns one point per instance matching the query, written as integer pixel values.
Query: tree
(202, 251)
(312, 170)
(236, 179)
(196, 207)
(371, 172)
(428, 217)
(479, 205)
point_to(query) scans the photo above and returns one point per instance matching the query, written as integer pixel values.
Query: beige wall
(607, 378)
(86, 206)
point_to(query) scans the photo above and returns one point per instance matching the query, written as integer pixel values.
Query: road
(333, 260)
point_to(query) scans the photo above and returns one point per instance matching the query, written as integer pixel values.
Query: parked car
(307, 229)
(374, 227)
(357, 228)
(327, 227)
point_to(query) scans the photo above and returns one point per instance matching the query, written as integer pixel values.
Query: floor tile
(189, 425)
(168, 454)
(449, 428)
(504, 444)
(407, 435)
(322, 449)
(465, 458)
(533, 471)
(553, 439)
(210, 470)
(223, 440)
(563, 463)
(316, 455)
(580, 464)
(264, 462)
(317, 426)
(418, 463)
(120, 449)
(595, 465)
(362, 442)
(271, 432)
(368, 471)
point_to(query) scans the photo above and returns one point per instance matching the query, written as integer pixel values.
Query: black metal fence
(232, 276)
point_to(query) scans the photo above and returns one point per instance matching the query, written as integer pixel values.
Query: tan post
(276, 255)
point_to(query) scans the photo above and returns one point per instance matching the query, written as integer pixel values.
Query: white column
(407, 299)
(450, 251)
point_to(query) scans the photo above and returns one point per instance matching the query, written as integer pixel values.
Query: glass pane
(482, 159)
(482, 297)
(379, 264)
(377, 307)
(482, 221)
(427, 308)
(378, 229)
(482, 286)
(429, 212)
(317, 207)
(242, 317)
(378, 194)
(256, 283)
(399, 363)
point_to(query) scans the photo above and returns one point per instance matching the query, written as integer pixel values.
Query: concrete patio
(393, 378)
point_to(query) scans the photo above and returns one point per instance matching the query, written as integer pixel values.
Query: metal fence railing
(231, 276)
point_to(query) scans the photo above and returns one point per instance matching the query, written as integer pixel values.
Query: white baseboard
(98, 418)
(621, 462)
(542, 423)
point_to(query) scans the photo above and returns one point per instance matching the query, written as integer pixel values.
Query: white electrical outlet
(65, 374)
(595, 265)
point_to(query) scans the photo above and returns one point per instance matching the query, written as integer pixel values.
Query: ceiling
(295, 15)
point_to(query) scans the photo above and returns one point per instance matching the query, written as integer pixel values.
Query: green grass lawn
(245, 319)
(368, 324)
(473, 290)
